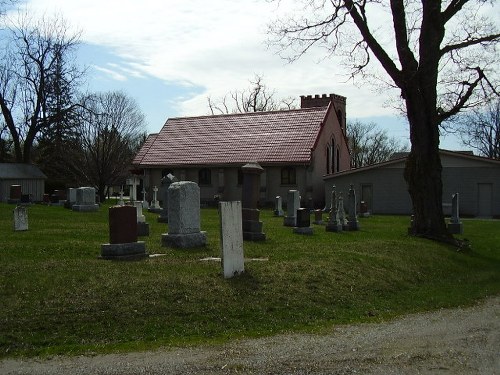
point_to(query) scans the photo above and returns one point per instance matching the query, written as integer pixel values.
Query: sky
(170, 56)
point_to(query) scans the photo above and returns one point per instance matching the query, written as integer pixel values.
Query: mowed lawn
(57, 297)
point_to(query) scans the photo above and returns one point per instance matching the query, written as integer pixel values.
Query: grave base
(184, 240)
(254, 236)
(162, 219)
(85, 207)
(290, 221)
(333, 227)
(155, 210)
(303, 230)
(455, 228)
(352, 225)
(142, 229)
(124, 251)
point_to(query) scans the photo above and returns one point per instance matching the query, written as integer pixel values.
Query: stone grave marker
(15, 194)
(341, 213)
(155, 204)
(278, 206)
(133, 182)
(303, 222)
(318, 217)
(292, 205)
(334, 225)
(71, 198)
(145, 203)
(165, 184)
(121, 201)
(231, 235)
(252, 227)
(455, 226)
(85, 200)
(184, 216)
(20, 218)
(352, 220)
(123, 244)
(142, 226)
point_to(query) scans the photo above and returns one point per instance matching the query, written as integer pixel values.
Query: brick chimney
(322, 101)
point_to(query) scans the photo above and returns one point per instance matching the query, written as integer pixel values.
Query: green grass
(57, 297)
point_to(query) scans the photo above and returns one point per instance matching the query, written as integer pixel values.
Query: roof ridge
(256, 113)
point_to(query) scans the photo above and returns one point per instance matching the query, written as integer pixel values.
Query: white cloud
(217, 45)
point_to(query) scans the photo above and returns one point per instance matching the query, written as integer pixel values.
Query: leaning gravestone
(142, 226)
(123, 244)
(85, 200)
(231, 234)
(165, 184)
(455, 226)
(184, 216)
(252, 226)
(292, 205)
(20, 218)
(303, 221)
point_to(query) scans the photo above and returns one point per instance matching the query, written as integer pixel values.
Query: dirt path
(454, 341)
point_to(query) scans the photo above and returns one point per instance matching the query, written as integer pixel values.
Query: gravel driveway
(454, 341)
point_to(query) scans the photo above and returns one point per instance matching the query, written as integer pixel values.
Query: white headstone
(155, 203)
(20, 218)
(231, 234)
(140, 217)
(292, 205)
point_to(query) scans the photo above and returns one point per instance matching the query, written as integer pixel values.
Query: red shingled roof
(265, 137)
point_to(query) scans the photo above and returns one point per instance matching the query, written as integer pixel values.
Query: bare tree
(480, 129)
(369, 145)
(38, 62)
(439, 54)
(257, 98)
(111, 131)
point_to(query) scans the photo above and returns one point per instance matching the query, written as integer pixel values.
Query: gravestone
(121, 201)
(278, 206)
(334, 225)
(165, 184)
(252, 227)
(455, 226)
(15, 194)
(71, 198)
(303, 222)
(231, 235)
(318, 217)
(123, 244)
(155, 204)
(292, 205)
(133, 183)
(184, 216)
(142, 226)
(85, 200)
(341, 213)
(145, 203)
(352, 220)
(20, 218)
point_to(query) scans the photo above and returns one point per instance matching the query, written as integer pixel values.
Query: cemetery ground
(57, 297)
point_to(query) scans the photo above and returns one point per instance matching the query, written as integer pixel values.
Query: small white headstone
(140, 217)
(231, 234)
(20, 218)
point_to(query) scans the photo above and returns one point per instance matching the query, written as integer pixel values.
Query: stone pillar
(184, 216)
(123, 244)
(292, 205)
(252, 227)
(20, 218)
(352, 221)
(165, 184)
(145, 203)
(231, 239)
(341, 213)
(278, 206)
(455, 226)
(333, 225)
(303, 222)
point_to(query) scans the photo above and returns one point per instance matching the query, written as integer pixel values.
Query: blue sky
(171, 55)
